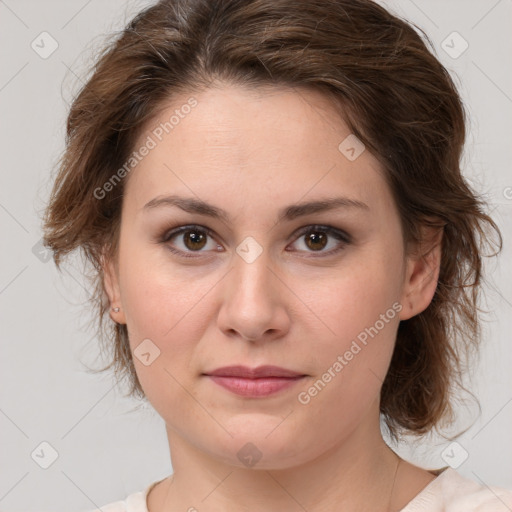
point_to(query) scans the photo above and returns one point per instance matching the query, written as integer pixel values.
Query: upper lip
(254, 373)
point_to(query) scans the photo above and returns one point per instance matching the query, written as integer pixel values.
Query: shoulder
(135, 502)
(116, 506)
(469, 495)
(452, 492)
(121, 505)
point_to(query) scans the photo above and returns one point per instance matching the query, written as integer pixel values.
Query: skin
(252, 152)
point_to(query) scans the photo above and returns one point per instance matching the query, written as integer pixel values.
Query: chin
(264, 448)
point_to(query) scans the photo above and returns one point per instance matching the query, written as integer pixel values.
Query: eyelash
(328, 230)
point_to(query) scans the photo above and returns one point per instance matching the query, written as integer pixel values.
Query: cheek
(354, 328)
(164, 307)
(352, 297)
(161, 303)
(350, 364)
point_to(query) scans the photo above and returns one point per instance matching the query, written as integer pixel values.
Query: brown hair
(395, 96)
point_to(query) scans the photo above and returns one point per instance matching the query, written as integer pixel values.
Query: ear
(112, 289)
(422, 272)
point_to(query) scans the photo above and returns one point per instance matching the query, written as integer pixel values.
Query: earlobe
(111, 286)
(422, 273)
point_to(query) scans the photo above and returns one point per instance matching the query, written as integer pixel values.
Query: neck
(357, 474)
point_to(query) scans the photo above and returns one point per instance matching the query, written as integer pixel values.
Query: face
(314, 290)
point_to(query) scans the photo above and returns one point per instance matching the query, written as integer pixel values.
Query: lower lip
(264, 386)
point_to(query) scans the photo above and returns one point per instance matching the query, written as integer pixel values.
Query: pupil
(196, 239)
(317, 238)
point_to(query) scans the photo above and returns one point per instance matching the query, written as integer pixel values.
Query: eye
(316, 238)
(192, 239)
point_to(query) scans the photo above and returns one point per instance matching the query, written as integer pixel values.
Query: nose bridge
(251, 304)
(252, 274)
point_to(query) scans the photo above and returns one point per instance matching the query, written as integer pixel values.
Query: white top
(448, 492)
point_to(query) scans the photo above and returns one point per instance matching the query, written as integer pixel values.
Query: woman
(271, 198)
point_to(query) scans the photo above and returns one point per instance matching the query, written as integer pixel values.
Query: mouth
(254, 382)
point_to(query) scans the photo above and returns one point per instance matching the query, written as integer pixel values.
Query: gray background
(109, 446)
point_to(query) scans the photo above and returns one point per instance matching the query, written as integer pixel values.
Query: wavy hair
(390, 89)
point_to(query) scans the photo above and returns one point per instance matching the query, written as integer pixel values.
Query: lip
(245, 372)
(254, 382)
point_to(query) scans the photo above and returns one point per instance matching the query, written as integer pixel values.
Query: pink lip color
(260, 387)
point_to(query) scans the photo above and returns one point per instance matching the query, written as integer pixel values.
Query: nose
(254, 301)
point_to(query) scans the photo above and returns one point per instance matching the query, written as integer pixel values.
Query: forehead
(260, 145)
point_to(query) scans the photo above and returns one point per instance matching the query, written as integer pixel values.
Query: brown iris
(194, 240)
(316, 240)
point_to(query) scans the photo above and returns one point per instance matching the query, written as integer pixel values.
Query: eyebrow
(291, 212)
